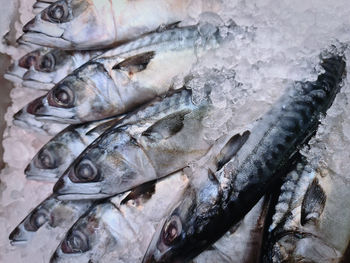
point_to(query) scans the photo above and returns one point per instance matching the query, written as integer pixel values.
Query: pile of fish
(133, 166)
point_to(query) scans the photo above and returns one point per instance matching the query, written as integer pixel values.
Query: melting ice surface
(280, 43)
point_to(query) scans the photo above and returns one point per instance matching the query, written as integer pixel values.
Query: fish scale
(208, 210)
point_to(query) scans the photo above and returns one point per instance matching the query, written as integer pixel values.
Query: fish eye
(46, 160)
(37, 219)
(47, 63)
(61, 96)
(172, 229)
(86, 171)
(57, 13)
(28, 61)
(77, 242)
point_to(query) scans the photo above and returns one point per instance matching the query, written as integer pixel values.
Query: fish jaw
(20, 236)
(15, 73)
(91, 231)
(42, 111)
(67, 32)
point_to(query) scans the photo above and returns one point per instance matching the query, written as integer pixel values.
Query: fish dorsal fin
(135, 63)
(145, 191)
(164, 27)
(166, 127)
(313, 203)
(231, 148)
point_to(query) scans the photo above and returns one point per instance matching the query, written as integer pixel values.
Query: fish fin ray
(313, 203)
(231, 148)
(135, 63)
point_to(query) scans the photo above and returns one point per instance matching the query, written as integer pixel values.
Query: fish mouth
(41, 111)
(13, 77)
(19, 236)
(33, 173)
(35, 84)
(67, 190)
(43, 39)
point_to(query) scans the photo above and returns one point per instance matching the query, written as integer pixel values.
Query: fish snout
(60, 184)
(36, 107)
(19, 236)
(27, 27)
(20, 115)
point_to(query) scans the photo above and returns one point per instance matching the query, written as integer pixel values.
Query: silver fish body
(243, 243)
(96, 24)
(57, 154)
(49, 213)
(44, 67)
(108, 231)
(310, 223)
(123, 78)
(206, 213)
(156, 141)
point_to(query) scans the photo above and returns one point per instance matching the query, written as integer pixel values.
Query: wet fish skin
(121, 79)
(50, 213)
(109, 22)
(44, 67)
(57, 154)
(206, 214)
(151, 143)
(53, 66)
(310, 220)
(17, 70)
(27, 121)
(107, 232)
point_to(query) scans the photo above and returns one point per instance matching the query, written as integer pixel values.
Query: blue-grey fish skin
(157, 140)
(50, 213)
(125, 77)
(57, 154)
(205, 214)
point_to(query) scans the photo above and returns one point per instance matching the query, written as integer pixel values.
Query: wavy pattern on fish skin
(147, 145)
(99, 89)
(202, 218)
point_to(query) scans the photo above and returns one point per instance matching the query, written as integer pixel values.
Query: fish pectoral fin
(166, 127)
(135, 63)
(164, 27)
(231, 148)
(144, 191)
(313, 203)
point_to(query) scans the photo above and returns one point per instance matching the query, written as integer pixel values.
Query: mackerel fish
(159, 139)
(207, 211)
(97, 24)
(125, 77)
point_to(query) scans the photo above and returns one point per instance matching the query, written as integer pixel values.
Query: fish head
(37, 218)
(173, 234)
(81, 96)
(69, 24)
(50, 68)
(50, 162)
(18, 69)
(190, 228)
(93, 235)
(111, 165)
